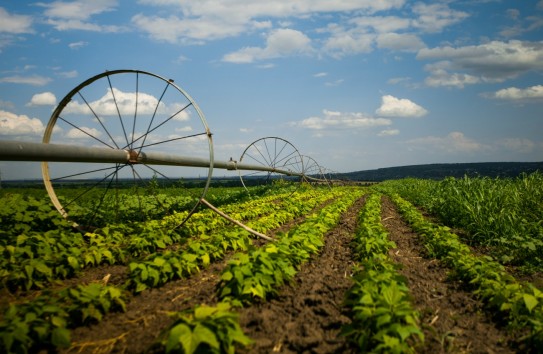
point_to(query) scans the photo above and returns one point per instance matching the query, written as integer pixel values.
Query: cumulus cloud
(78, 9)
(454, 142)
(83, 133)
(34, 80)
(399, 107)
(125, 102)
(434, 17)
(400, 41)
(280, 43)
(342, 42)
(495, 61)
(75, 15)
(441, 76)
(13, 124)
(517, 94)
(14, 24)
(212, 19)
(173, 29)
(331, 120)
(43, 99)
(388, 132)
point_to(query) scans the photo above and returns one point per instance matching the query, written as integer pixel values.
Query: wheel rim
(136, 111)
(274, 153)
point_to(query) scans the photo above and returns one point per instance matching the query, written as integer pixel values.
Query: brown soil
(453, 321)
(139, 328)
(307, 315)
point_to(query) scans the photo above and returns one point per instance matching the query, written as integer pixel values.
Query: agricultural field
(402, 266)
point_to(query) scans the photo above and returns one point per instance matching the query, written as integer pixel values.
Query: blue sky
(354, 84)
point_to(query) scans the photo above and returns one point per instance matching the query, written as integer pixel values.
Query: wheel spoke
(99, 120)
(117, 108)
(82, 173)
(86, 133)
(131, 145)
(154, 115)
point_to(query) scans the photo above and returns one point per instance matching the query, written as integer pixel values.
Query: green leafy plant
(205, 329)
(382, 318)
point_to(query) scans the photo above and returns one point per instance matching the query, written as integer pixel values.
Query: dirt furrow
(452, 320)
(306, 316)
(137, 329)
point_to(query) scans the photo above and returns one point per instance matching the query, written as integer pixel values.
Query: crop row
(159, 268)
(382, 318)
(32, 259)
(34, 317)
(257, 274)
(520, 304)
(503, 214)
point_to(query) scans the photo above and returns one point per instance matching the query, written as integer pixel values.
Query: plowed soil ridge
(137, 330)
(307, 315)
(452, 320)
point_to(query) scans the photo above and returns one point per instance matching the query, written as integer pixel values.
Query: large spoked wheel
(139, 112)
(312, 172)
(266, 160)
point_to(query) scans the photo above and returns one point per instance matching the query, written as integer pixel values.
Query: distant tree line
(442, 170)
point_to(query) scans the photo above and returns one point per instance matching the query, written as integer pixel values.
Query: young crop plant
(204, 329)
(519, 304)
(44, 322)
(382, 317)
(159, 268)
(502, 214)
(259, 273)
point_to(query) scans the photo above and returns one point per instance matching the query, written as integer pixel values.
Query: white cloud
(14, 24)
(399, 80)
(401, 42)
(388, 132)
(83, 133)
(440, 76)
(125, 102)
(280, 43)
(434, 17)
(454, 142)
(344, 42)
(214, 19)
(75, 15)
(34, 80)
(514, 93)
(495, 61)
(338, 121)
(380, 24)
(78, 9)
(266, 66)
(399, 107)
(321, 74)
(77, 45)
(13, 124)
(518, 145)
(68, 74)
(335, 83)
(173, 29)
(43, 99)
